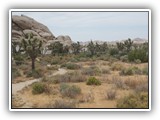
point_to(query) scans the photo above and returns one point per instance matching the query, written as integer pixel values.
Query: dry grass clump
(116, 67)
(71, 66)
(91, 71)
(131, 71)
(69, 91)
(139, 100)
(133, 83)
(105, 70)
(110, 94)
(68, 77)
(88, 97)
(65, 104)
(119, 83)
(142, 88)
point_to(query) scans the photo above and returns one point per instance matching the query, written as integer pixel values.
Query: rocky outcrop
(23, 24)
(65, 40)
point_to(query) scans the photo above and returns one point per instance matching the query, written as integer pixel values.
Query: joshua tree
(76, 47)
(56, 47)
(32, 46)
(120, 46)
(128, 44)
(104, 47)
(91, 48)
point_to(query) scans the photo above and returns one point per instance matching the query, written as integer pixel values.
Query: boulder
(23, 24)
(66, 40)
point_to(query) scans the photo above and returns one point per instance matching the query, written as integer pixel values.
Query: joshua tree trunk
(33, 64)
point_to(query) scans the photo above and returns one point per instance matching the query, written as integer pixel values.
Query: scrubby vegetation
(110, 94)
(38, 88)
(139, 100)
(93, 81)
(69, 91)
(92, 74)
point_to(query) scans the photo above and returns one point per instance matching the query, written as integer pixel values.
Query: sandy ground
(19, 86)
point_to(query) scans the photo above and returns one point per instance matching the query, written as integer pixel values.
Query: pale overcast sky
(84, 26)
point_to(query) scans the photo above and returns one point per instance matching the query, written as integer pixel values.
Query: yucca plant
(32, 46)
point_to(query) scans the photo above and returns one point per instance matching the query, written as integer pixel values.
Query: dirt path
(19, 86)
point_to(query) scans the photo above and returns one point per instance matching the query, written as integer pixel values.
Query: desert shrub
(15, 73)
(71, 66)
(93, 81)
(64, 104)
(110, 94)
(35, 73)
(69, 91)
(104, 57)
(38, 88)
(141, 88)
(87, 97)
(68, 77)
(47, 89)
(113, 51)
(124, 58)
(73, 60)
(140, 54)
(139, 100)
(52, 68)
(55, 61)
(105, 71)
(91, 71)
(116, 67)
(77, 77)
(133, 83)
(131, 71)
(119, 83)
(138, 61)
(18, 59)
(145, 70)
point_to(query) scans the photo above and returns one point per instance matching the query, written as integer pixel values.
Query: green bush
(34, 73)
(93, 81)
(113, 51)
(139, 100)
(71, 66)
(140, 54)
(18, 59)
(69, 91)
(38, 88)
(15, 73)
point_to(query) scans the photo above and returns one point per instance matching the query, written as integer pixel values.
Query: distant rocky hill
(22, 25)
(113, 42)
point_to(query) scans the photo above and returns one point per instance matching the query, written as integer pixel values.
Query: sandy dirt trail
(19, 86)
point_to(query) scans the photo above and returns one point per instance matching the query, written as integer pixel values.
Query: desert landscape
(56, 72)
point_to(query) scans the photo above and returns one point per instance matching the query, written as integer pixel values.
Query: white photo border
(78, 10)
